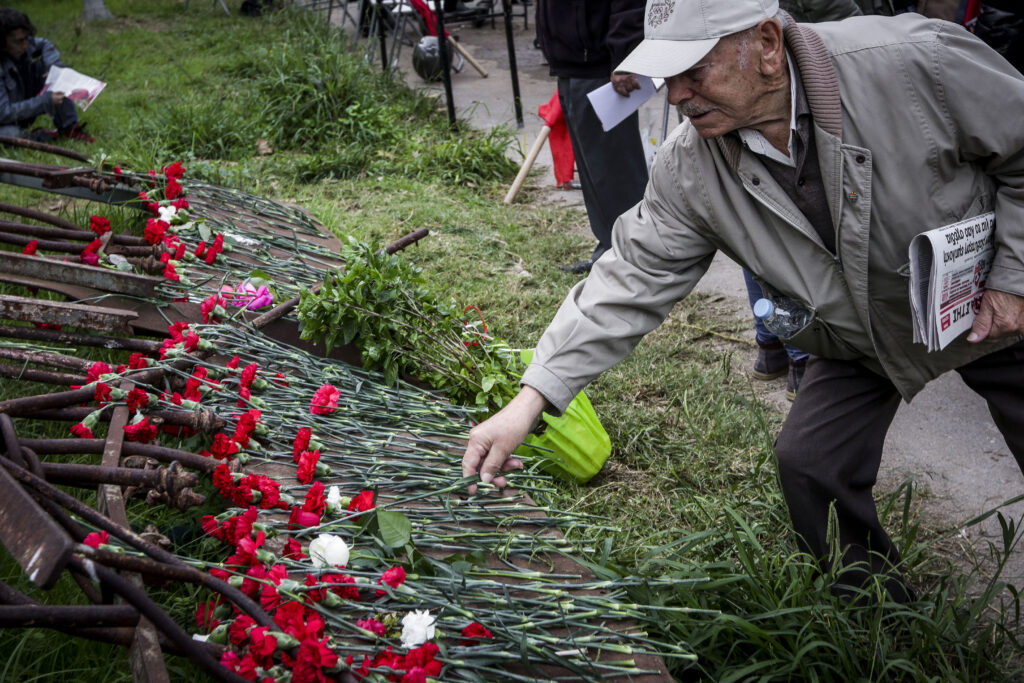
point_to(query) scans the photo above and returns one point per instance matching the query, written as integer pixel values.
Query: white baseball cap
(678, 33)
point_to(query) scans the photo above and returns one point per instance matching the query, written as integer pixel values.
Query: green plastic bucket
(578, 444)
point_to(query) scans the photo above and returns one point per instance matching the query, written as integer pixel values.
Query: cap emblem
(659, 12)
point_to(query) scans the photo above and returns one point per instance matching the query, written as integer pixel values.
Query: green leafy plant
(383, 306)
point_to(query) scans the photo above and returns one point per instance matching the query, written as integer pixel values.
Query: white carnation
(328, 551)
(417, 628)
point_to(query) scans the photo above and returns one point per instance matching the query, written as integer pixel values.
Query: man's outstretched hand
(1001, 314)
(492, 441)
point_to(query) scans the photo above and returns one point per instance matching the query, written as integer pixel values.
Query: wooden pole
(465, 55)
(531, 157)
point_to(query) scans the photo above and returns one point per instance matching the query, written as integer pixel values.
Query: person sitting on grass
(25, 61)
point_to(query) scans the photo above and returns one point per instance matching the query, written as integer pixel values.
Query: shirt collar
(758, 143)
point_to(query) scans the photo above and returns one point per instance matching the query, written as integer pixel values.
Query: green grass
(691, 482)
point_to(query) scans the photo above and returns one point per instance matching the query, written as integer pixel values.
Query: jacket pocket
(817, 338)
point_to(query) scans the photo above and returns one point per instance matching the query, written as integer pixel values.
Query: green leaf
(395, 528)
(258, 278)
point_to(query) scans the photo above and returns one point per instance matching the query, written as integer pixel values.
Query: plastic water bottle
(783, 317)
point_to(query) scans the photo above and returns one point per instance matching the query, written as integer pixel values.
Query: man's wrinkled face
(724, 90)
(17, 43)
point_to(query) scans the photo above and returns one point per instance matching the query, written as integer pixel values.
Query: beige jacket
(917, 125)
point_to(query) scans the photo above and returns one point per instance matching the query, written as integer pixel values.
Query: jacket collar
(818, 76)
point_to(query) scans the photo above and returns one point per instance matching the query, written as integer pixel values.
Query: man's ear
(772, 46)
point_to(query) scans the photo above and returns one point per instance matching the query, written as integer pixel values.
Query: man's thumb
(982, 323)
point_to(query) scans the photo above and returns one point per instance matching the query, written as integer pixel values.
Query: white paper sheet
(612, 108)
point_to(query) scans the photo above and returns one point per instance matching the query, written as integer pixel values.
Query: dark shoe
(796, 375)
(772, 361)
(42, 134)
(77, 132)
(578, 268)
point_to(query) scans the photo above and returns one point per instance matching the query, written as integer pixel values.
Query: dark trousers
(611, 165)
(830, 448)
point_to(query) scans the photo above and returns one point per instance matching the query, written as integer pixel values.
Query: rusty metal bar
(42, 376)
(56, 360)
(205, 421)
(64, 228)
(60, 399)
(117, 636)
(79, 339)
(136, 597)
(104, 279)
(40, 216)
(43, 147)
(95, 446)
(11, 444)
(63, 313)
(34, 540)
(91, 475)
(37, 231)
(45, 245)
(33, 616)
(44, 489)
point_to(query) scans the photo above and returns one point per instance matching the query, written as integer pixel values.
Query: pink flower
(325, 400)
(371, 625)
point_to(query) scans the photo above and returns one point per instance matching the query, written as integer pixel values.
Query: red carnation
(82, 432)
(142, 431)
(30, 248)
(95, 370)
(95, 540)
(307, 466)
(362, 502)
(102, 395)
(315, 500)
(475, 630)
(325, 400)
(248, 375)
(137, 399)
(301, 442)
(173, 190)
(394, 577)
(301, 518)
(99, 225)
(90, 255)
(223, 480)
(137, 361)
(293, 549)
(155, 230)
(175, 170)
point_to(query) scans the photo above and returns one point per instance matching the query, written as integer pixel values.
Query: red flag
(428, 16)
(561, 146)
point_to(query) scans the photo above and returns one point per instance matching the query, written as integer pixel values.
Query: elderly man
(812, 155)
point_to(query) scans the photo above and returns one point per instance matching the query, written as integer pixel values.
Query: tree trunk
(95, 9)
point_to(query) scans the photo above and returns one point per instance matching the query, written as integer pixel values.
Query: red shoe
(77, 132)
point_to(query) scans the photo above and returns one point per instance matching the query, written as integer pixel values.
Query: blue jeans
(763, 335)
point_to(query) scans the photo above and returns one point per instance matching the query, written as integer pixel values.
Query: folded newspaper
(948, 268)
(79, 88)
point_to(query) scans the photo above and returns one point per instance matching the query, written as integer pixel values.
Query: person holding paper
(583, 41)
(899, 127)
(24, 63)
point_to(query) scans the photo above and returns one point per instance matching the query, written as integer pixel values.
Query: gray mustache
(690, 110)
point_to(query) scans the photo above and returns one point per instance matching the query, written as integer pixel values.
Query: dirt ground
(944, 440)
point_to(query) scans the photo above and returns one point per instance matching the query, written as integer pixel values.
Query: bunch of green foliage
(383, 306)
(304, 93)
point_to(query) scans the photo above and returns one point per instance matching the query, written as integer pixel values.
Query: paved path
(944, 439)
